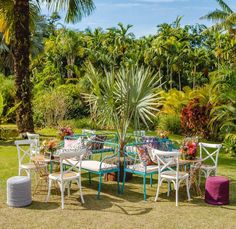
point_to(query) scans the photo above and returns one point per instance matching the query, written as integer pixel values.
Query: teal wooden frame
(134, 155)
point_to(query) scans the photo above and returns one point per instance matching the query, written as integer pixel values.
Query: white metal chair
(68, 172)
(168, 170)
(208, 169)
(35, 148)
(24, 149)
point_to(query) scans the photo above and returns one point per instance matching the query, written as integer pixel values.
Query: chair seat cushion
(172, 175)
(67, 176)
(141, 168)
(95, 165)
(92, 165)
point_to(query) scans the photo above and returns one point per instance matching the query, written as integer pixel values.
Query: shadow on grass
(41, 205)
(114, 205)
(111, 188)
(107, 203)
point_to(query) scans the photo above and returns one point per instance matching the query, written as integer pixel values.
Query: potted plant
(120, 97)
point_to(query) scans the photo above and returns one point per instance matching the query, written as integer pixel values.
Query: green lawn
(113, 210)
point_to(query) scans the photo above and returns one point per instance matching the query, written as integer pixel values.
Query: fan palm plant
(225, 17)
(15, 23)
(118, 98)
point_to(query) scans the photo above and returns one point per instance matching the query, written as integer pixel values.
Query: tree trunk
(180, 87)
(24, 116)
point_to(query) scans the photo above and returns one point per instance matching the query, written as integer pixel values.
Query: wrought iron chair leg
(90, 179)
(151, 180)
(144, 187)
(118, 181)
(99, 186)
(123, 185)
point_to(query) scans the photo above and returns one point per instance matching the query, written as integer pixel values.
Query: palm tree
(225, 17)
(118, 98)
(15, 15)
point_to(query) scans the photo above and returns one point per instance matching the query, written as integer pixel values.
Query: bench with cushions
(108, 161)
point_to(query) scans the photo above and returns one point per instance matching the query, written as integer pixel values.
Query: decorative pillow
(144, 155)
(152, 141)
(96, 142)
(72, 144)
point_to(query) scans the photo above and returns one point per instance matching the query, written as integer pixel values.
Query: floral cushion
(96, 142)
(144, 156)
(151, 141)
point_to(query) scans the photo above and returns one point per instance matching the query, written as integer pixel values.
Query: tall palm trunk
(24, 117)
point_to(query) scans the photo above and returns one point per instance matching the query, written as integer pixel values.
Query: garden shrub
(80, 123)
(229, 144)
(174, 100)
(77, 106)
(50, 108)
(8, 133)
(170, 122)
(195, 118)
(7, 90)
(86, 123)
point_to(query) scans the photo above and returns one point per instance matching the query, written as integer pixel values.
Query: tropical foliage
(130, 82)
(224, 17)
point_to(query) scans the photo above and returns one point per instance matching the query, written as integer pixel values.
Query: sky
(145, 15)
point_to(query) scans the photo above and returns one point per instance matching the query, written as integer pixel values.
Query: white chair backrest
(204, 148)
(75, 154)
(36, 145)
(24, 148)
(167, 160)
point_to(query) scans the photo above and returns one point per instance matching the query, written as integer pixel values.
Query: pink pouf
(217, 190)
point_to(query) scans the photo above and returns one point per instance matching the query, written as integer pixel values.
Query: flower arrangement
(163, 133)
(49, 147)
(65, 131)
(189, 148)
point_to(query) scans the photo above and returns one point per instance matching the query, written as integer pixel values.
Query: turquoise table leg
(144, 187)
(123, 185)
(90, 180)
(118, 181)
(99, 186)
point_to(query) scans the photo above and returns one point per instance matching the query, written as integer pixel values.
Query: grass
(113, 210)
